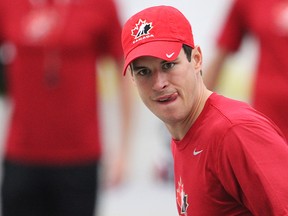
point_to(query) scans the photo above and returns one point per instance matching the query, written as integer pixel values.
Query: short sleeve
(234, 27)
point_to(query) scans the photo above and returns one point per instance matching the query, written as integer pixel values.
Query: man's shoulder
(234, 111)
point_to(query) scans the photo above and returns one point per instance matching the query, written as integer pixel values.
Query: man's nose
(160, 80)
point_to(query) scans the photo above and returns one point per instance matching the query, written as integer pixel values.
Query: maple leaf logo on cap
(142, 28)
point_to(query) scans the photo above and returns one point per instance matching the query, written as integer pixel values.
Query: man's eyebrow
(138, 67)
(135, 67)
(167, 61)
(164, 61)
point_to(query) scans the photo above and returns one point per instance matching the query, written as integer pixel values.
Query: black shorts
(49, 191)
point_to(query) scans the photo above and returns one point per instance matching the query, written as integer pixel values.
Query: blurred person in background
(229, 159)
(267, 22)
(53, 149)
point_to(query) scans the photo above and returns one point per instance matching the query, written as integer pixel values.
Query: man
(229, 159)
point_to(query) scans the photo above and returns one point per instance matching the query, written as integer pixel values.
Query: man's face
(168, 88)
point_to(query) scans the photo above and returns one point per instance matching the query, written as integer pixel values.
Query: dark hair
(188, 51)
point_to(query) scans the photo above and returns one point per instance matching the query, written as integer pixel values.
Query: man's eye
(143, 72)
(168, 65)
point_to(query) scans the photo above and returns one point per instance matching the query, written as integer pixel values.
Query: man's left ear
(197, 57)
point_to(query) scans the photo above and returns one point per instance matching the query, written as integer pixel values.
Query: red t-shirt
(267, 21)
(52, 78)
(232, 161)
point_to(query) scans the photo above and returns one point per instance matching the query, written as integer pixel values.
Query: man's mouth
(167, 98)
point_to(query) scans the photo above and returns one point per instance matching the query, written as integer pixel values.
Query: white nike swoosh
(170, 55)
(196, 152)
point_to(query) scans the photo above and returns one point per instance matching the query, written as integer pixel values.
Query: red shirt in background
(52, 78)
(267, 21)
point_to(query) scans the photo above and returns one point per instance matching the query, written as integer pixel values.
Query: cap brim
(166, 50)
